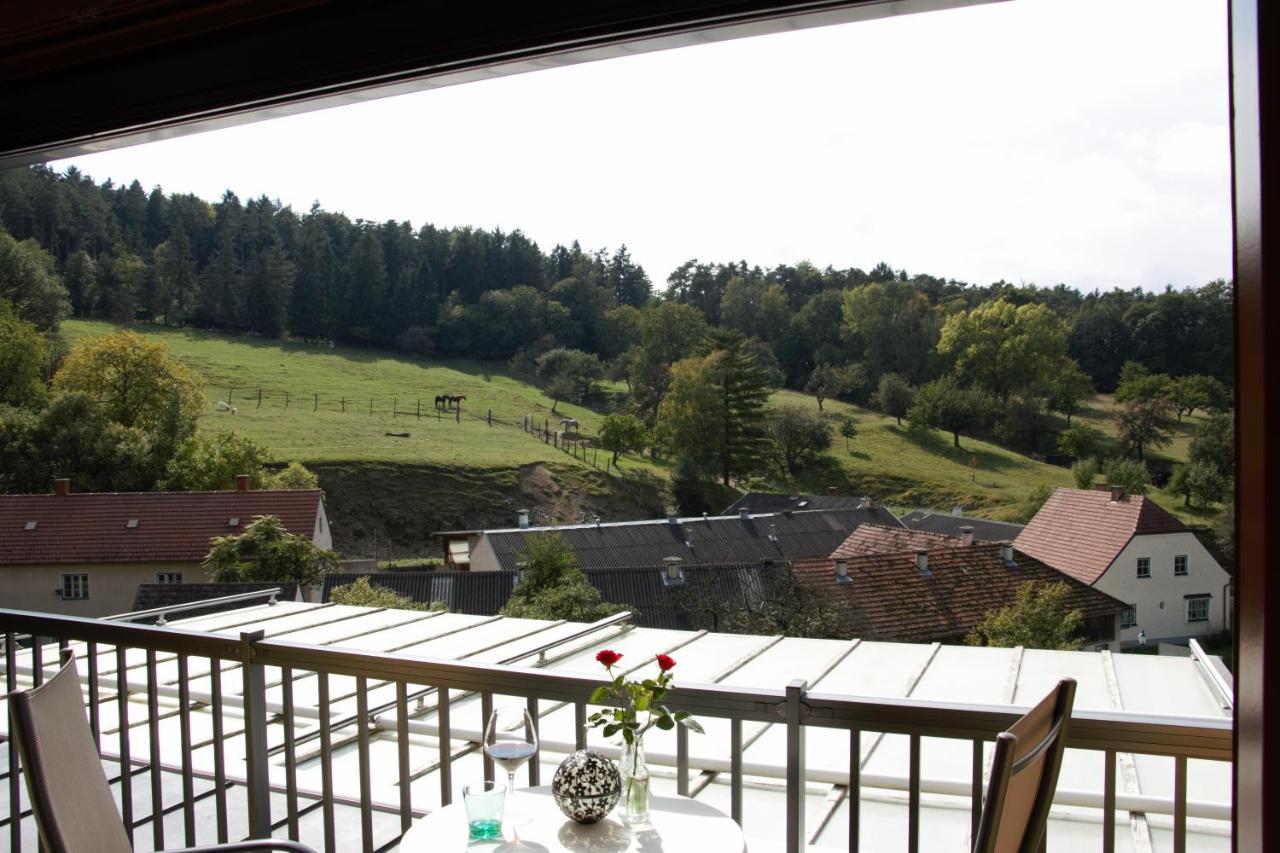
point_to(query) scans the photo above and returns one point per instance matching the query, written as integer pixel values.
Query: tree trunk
(899, 417)
(819, 397)
(956, 437)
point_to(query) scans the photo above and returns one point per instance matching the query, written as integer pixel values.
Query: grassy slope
(886, 461)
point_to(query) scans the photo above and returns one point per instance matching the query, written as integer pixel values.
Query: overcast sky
(1041, 141)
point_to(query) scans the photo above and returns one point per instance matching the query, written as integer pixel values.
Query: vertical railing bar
(254, 694)
(975, 790)
(1180, 804)
(362, 745)
(37, 662)
(682, 761)
(486, 711)
(796, 840)
(219, 758)
(1109, 802)
(153, 747)
(326, 761)
(913, 798)
(535, 769)
(126, 774)
(402, 753)
(184, 730)
(95, 724)
(579, 725)
(290, 753)
(15, 793)
(854, 793)
(445, 739)
(735, 770)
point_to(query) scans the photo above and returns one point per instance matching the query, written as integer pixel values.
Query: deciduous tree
(1038, 619)
(942, 404)
(621, 434)
(552, 586)
(266, 552)
(796, 437)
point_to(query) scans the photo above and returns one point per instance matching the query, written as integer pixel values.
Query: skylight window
(30, 525)
(131, 523)
(233, 521)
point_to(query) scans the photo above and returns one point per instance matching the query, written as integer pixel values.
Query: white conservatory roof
(1140, 683)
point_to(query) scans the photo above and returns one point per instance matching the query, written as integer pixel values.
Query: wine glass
(510, 740)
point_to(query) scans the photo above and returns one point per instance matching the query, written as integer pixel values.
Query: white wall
(322, 535)
(483, 559)
(1204, 575)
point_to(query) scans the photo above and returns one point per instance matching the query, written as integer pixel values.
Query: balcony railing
(413, 701)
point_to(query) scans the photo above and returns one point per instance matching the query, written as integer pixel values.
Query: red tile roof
(1081, 532)
(889, 599)
(879, 539)
(93, 528)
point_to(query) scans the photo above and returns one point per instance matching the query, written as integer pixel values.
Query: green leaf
(610, 730)
(692, 725)
(642, 702)
(666, 723)
(598, 694)
(628, 736)
(681, 715)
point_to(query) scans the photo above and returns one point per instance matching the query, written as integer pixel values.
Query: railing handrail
(1192, 737)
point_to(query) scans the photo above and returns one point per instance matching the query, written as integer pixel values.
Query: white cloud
(1040, 140)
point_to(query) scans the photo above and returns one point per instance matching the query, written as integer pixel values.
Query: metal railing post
(255, 737)
(796, 840)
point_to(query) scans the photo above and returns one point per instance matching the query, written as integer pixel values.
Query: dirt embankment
(405, 503)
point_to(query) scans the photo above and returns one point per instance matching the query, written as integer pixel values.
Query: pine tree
(743, 388)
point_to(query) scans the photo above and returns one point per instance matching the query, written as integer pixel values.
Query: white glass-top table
(678, 824)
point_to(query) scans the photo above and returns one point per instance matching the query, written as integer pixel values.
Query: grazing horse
(568, 424)
(441, 400)
(456, 401)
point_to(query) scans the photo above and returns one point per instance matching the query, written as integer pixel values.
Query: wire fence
(568, 439)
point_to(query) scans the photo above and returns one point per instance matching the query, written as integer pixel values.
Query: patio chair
(70, 796)
(1024, 775)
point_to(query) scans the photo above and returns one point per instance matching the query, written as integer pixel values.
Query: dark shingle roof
(716, 540)
(949, 525)
(1081, 532)
(152, 595)
(653, 603)
(94, 527)
(889, 599)
(777, 502)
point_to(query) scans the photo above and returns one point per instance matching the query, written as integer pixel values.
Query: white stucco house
(1131, 548)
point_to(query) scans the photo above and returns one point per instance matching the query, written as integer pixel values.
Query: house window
(1180, 564)
(1198, 609)
(1129, 618)
(75, 587)
(1144, 567)
(168, 577)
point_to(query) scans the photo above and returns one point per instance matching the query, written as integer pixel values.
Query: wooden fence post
(259, 397)
(371, 405)
(315, 406)
(286, 399)
(457, 413)
(419, 410)
(231, 392)
(395, 404)
(491, 417)
(344, 404)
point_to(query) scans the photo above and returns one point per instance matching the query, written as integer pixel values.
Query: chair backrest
(69, 792)
(1024, 775)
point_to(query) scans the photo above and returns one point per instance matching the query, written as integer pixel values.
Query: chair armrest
(251, 846)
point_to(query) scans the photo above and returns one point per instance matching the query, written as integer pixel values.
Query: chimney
(1117, 493)
(744, 513)
(922, 561)
(966, 536)
(522, 519)
(957, 511)
(773, 533)
(62, 486)
(865, 503)
(242, 482)
(842, 571)
(832, 490)
(1006, 553)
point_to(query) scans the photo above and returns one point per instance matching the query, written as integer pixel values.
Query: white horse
(224, 406)
(568, 424)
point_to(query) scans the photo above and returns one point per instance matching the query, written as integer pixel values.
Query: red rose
(666, 662)
(608, 657)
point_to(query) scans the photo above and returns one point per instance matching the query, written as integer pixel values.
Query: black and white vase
(586, 786)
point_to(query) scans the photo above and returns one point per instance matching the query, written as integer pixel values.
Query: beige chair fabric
(1024, 776)
(69, 791)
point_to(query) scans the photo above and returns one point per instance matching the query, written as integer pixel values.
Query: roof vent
(1006, 554)
(802, 504)
(522, 519)
(773, 532)
(1117, 493)
(842, 571)
(744, 513)
(672, 574)
(233, 521)
(673, 518)
(30, 525)
(131, 523)
(966, 536)
(922, 563)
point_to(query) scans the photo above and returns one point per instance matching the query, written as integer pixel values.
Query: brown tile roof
(93, 527)
(889, 599)
(1081, 532)
(879, 539)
